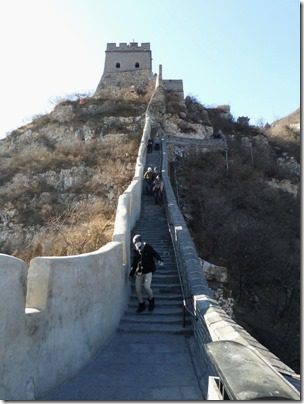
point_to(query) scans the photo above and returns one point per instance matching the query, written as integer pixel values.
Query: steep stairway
(149, 357)
(167, 316)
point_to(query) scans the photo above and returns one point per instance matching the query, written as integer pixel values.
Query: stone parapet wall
(129, 203)
(56, 313)
(51, 334)
(123, 46)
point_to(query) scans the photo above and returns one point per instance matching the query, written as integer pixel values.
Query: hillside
(62, 175)
(287, 128)
(247, 220)
(285, 133)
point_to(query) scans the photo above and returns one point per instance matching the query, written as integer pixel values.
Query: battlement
(132, 46)
(130, 65)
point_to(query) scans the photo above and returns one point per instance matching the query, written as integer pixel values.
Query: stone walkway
(149, 356)
(135, 367)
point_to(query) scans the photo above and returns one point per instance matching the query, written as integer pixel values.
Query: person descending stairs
(143, 266)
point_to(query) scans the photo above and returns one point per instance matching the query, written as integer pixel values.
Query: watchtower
(126, 65)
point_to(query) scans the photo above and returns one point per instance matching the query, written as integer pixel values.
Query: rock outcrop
(82, 152)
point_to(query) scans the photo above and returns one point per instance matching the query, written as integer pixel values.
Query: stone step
(161, 307)
(168, 260)
(163, 288)
(165, 278)
(167, 256)
(160, 303)
(147, 317)
(159, 283)
(164, 297)
(166, 290)
(147, 328)
(154, 212)
(158, 310)
(169, 265)
(167, 268)
(152, 317)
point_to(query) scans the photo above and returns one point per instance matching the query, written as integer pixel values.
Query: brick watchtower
(126, 65)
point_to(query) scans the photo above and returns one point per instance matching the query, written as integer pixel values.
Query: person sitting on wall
(148, 180)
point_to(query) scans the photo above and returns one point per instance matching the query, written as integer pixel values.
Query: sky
(245, 53)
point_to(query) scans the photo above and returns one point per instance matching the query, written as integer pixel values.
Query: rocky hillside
(285, 133)
(61, 176)
(244, 215)
(287, 128)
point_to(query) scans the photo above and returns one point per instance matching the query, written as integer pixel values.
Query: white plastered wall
(56, 313)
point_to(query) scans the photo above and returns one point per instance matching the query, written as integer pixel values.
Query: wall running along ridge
(56, 313)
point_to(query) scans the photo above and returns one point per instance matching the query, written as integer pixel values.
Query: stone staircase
(167, 316)
(149, 357)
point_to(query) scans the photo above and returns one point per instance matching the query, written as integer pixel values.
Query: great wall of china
(58, 312)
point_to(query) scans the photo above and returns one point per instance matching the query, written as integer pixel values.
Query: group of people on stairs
(153, 184)
(144, 255)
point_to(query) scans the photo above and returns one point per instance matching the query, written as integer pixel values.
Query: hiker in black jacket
(143, 266)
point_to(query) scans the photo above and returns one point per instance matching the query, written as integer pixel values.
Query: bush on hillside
(237, 220)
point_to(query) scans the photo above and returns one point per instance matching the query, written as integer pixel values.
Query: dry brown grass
(66, 223)
(37, 158)
(48, 172)
(284, 136)
(79, 229)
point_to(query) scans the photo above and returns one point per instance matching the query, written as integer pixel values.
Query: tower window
(137, 65)
(117, 65)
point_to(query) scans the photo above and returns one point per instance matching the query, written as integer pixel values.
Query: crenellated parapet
(123, 46)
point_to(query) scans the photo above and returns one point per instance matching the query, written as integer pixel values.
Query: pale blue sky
(245, 53)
